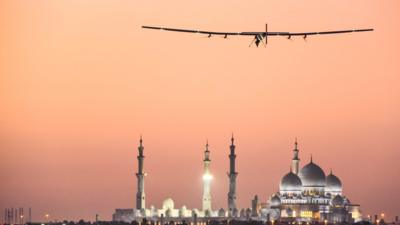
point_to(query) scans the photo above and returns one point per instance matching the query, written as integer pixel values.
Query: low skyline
(80, 81)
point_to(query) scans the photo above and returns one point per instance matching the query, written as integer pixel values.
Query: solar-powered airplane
(258, 36)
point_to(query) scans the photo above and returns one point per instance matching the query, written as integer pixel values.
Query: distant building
(305, 195)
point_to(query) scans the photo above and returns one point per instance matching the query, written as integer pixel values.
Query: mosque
(309, 195)
(305, 195)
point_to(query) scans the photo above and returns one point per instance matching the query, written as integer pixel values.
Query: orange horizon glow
(80, 81)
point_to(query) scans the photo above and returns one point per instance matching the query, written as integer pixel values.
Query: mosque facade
(308, 195)
(305, 195)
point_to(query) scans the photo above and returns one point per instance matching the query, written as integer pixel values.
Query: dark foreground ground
(211, 222)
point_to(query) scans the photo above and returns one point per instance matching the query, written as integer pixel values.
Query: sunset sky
(80, 81)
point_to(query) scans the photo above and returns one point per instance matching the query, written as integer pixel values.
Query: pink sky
(80, 81)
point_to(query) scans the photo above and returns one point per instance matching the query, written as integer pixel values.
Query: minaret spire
(232, 174)
(207, 177)
(140, 196)
(296, 159)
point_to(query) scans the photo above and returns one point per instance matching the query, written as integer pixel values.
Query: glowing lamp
(207, 177)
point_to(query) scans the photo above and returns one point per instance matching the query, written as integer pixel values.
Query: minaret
(232, 178)
(140, 196)
(295, 160)
(207, 177)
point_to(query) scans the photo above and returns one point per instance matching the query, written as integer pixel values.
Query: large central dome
(312, 175)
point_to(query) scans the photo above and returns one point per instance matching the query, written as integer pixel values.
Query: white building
(309, 195)
(305, 194)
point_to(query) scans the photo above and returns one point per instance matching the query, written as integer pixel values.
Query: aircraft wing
(286, 34)
(190, 31)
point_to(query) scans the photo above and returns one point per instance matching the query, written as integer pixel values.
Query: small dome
(183, 211)
(221, 212)
(337, 201)
(312, 175)
(168, 203)
(275, 201)
(333, 184)
(290, 182)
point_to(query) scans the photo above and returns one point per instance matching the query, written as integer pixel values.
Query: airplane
(258, 36)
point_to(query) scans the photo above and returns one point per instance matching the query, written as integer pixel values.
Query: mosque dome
(275, 201)
(168, 203)
(183, 211)
(290, 182)
(333, 184)
(312, 175)
(337, 201)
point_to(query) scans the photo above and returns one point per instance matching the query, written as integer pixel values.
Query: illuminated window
(355, 215)
(307, 214)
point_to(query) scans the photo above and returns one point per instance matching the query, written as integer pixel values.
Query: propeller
(208, 36)
(225, 36)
